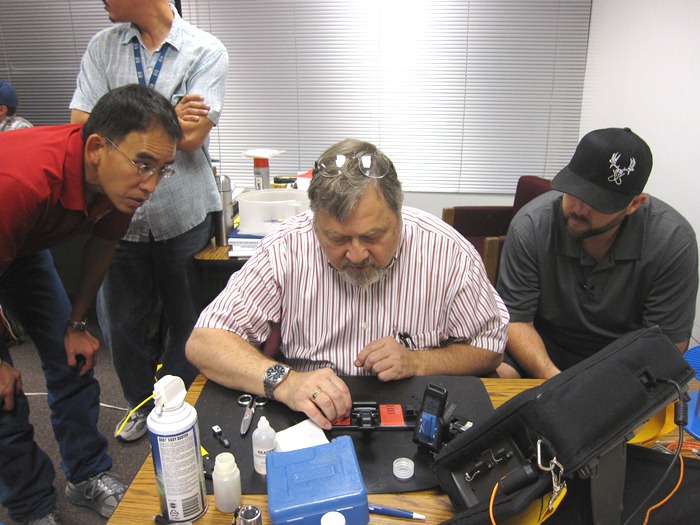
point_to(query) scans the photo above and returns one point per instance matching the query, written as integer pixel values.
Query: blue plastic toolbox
(302, 485)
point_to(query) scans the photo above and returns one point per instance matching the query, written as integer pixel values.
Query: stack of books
(242, 245)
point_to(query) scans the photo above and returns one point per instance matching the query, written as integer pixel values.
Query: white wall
(643, 71)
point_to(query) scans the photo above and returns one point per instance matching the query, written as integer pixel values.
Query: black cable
(678, 417)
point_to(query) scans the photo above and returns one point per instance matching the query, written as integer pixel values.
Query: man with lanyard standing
(154, 262)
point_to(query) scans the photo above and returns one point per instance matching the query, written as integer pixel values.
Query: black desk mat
(376, 449)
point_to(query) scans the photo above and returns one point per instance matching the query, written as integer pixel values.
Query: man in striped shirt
(357, 285)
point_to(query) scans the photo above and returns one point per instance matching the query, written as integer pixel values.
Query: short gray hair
(338, 195)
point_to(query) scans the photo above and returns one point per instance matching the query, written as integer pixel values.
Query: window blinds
(463, 95)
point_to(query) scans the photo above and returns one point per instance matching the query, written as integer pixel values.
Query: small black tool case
(579, 417)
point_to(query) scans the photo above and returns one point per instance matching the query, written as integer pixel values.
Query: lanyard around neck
(139, 64)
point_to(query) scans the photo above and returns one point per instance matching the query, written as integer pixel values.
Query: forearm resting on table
(227, 359)
(457, 359)
(527, 348)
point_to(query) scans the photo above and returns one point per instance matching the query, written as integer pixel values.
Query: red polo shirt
(42, 193)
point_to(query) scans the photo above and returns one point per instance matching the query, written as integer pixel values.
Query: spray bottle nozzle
(168, 393)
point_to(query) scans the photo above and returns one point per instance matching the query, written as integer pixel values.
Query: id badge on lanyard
(139, 64)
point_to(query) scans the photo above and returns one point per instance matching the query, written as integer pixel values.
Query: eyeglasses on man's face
(145, 170)
(372, 165)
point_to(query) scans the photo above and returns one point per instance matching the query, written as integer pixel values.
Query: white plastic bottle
(177, 460)
(264, 442)
(227, 483)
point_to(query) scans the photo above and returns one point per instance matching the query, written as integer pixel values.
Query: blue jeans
(143, 274)
(32, 290)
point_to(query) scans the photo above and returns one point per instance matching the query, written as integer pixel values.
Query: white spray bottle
(177, 460)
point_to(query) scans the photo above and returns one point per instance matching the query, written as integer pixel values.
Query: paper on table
(302, 435)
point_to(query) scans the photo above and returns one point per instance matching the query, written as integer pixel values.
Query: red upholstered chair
(486, 226)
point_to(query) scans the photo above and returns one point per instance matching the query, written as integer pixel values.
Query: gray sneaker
(102, 493)
(135, 426)
(50, 519)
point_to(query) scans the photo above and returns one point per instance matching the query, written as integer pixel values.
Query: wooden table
(141, 503)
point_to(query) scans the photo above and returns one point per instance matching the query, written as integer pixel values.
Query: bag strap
(538, 511)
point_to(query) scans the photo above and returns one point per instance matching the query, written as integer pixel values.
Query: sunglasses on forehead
(372, 165)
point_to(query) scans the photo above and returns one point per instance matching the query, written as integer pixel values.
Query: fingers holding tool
(320, 394)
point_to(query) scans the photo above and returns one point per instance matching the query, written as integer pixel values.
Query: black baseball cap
(609, 168)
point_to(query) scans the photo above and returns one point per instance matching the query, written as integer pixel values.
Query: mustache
(364, 264)
(577, 217)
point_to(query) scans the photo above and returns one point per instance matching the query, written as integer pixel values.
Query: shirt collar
(73, 191)
(175, 38)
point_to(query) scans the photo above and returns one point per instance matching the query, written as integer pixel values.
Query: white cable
(105, 405)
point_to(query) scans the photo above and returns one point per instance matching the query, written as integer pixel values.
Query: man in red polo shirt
(55, 183)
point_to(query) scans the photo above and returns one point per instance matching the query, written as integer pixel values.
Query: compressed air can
(177, 460)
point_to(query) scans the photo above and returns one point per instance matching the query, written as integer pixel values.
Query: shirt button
(364, 325)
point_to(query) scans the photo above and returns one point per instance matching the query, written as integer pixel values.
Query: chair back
(486, 226)
(529, 187)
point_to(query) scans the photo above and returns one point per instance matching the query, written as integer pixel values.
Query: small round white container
(263, 211)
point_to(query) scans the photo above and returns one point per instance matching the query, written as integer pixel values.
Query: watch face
(275, 373)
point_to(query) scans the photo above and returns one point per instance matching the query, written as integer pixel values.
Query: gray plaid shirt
(196, 62)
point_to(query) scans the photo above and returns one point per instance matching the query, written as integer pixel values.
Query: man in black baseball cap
(595, 259)
(609, 168)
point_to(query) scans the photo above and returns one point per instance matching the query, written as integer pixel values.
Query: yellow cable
(121, 427)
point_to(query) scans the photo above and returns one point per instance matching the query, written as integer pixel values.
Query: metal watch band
(270, 385)
(269, 390)
(78, 325)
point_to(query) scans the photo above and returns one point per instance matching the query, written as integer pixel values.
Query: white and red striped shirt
(436, 290)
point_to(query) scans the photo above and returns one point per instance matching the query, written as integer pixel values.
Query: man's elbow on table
(486, 362)
(199, 349)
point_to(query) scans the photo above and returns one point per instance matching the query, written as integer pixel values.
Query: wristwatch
(274, 375)
(78, 325)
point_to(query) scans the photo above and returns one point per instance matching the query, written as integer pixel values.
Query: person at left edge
(154, 262)
(9, 101)
(55, 183)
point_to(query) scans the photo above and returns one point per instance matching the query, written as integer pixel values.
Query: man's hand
(191, 108)
(78, 342)
(10, 382)
(332, 403)
(387, 359)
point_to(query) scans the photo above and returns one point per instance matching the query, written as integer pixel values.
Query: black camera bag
(582, 418)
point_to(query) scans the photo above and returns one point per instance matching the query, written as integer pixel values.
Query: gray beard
(365, 278)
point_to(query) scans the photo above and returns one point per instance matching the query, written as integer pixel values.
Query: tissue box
(302, 485)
